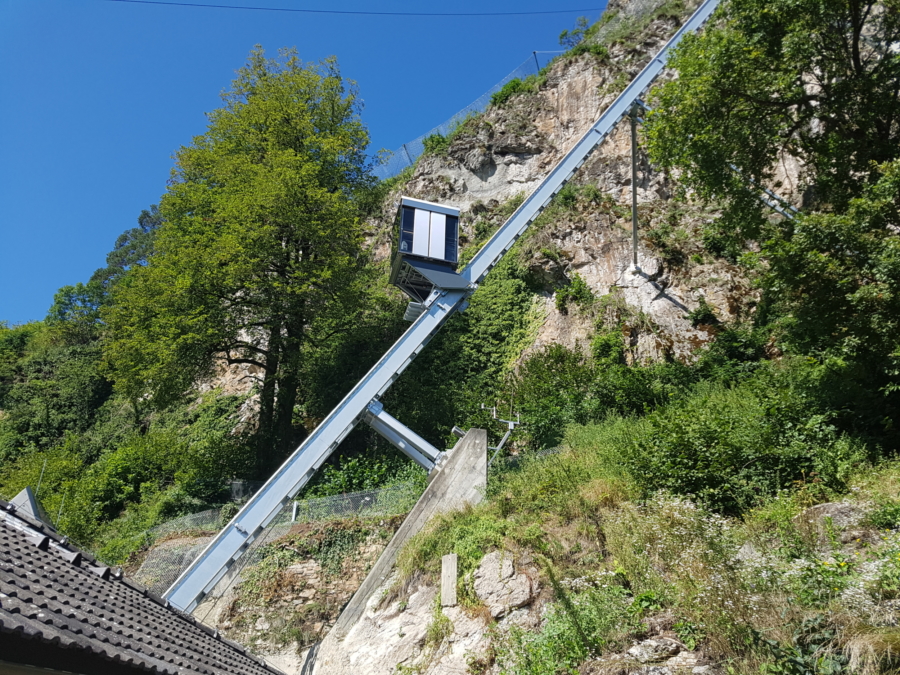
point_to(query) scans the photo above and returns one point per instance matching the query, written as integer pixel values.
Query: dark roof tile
(52, 592)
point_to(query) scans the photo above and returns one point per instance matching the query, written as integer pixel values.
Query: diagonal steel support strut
(403, 438)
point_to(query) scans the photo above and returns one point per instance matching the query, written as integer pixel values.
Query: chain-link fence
(204, 520)
(407, 154)
(176, 543)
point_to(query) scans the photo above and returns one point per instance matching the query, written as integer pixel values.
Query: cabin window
(406, 229)
(451, 238)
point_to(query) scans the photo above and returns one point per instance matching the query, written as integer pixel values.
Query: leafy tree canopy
(259, 255)
(837, 278)
(133, 247)
(75, 313)
(814, 79)
(581, 31)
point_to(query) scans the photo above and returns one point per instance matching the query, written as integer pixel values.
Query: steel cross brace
(403, 438)
(210, 566)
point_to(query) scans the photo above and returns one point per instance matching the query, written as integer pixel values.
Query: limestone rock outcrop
(499, 587)
(403, 633)
(508, 151)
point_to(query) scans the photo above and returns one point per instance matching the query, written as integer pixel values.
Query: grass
(754, 588)
(438, 144)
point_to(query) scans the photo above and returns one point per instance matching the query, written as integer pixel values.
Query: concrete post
(448, 580)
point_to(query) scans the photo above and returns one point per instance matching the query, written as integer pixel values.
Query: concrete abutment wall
(461, 480)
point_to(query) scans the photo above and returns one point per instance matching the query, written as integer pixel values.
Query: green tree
(74, 316)
(133, 247)
(259, 256)
(814, 79)
(572, 38)
(51, 390)
(836, 280)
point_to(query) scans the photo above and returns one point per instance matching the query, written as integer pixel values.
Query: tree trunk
(288, 383)
(265, 434)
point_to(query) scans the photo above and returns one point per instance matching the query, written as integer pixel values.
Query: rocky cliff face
(485, 170)
(504, 154)
(414, 634)
(501, 156)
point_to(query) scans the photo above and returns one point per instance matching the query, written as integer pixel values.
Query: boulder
(843, 516)
(499, 587)
(654, 649)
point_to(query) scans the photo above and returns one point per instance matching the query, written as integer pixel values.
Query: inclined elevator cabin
(425, 251)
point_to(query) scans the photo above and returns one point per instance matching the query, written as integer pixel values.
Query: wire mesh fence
(204, 520)
(390, 501)
(169, 559)
(407, 154)
(175, 544)
(617, 24)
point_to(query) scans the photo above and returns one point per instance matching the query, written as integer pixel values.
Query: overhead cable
(349, 12)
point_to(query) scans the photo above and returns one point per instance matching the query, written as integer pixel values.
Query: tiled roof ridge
(45, 538)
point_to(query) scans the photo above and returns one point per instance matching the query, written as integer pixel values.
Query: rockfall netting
(407, 154)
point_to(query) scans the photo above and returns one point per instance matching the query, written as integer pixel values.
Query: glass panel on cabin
(436, 237)
(420, 232)
(451, 239)
(406, 228)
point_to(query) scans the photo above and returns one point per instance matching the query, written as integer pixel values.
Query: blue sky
(96, 95)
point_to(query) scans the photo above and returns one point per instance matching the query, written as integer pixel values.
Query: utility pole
(633, 117)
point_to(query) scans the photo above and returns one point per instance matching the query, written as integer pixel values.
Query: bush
(732, 446)
(576, 291)
(374, 468)
(514, 87)
(50, 391)
(551, 392)
(573, 629)
(470, 533)
(556, 387)
(703, 315)
(736, 353)
(436, 144)
(597, 50)
(108, 502)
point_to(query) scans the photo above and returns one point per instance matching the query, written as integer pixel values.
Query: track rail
(212, 564)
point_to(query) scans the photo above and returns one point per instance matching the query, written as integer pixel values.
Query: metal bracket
(510, 427)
